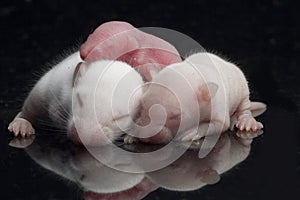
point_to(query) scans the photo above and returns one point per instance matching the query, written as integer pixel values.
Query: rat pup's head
(175, 101)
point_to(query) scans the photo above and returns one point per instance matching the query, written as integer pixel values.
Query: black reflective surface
(111, 176)
(263, 38)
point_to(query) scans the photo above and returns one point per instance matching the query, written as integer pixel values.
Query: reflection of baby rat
(96, 180)
(72, 91)
(100, 181)
(190, 173)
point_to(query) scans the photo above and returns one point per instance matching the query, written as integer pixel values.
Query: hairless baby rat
(117, 40)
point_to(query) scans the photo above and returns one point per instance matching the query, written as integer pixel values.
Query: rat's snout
(152, 132)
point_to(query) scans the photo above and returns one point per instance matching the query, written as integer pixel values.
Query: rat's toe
(260, 125)
(21, 126)
(240, 125)
(256, 125)
(23, 133)
(250, 125)
(16, 129)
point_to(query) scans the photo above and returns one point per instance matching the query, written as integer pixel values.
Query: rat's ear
(78, 72)
(257, 108)
(206, 91)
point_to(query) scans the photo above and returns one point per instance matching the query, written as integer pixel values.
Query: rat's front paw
(128, 139)
(248, 123)
(21, 126)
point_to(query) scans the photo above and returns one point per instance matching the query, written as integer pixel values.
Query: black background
(261, 36)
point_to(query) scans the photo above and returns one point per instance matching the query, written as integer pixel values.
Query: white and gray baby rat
(91, 100)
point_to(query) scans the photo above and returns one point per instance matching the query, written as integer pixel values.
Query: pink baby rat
(118, 40)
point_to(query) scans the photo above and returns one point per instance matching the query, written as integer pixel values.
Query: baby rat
(117, 40)
(79, 96)
(204, 94)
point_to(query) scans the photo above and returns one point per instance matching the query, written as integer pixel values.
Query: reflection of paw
(191, 136)
(248, 123)
(21, 126)
(21, 142)
(128, 139)
(249, 135)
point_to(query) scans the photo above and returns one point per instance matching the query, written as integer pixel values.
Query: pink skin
(121, 41)
(136, 193)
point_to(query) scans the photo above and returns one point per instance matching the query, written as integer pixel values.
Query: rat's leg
(33, 107)
(246, 121)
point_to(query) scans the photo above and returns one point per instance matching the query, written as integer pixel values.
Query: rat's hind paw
(21, 126)
(248, 123)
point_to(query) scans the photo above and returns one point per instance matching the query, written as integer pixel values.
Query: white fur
(55, 96)
(110, 93)
(228, 97)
